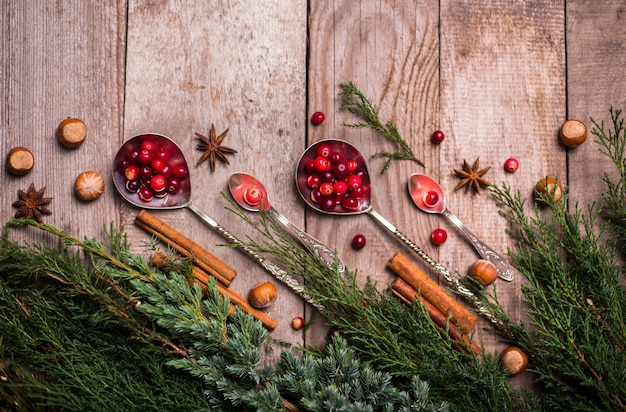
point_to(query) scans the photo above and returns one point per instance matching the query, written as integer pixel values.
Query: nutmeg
(514, 360)
(72, 132)
(548, 188)
(573, 133)
(20, 161)
(88, 186)
(483, 271)
(263, 295)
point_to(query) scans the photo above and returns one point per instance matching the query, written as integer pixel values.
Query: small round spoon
(428, 196)
(250, 194)
(182, 199)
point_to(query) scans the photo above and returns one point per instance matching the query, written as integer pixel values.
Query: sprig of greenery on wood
(356, 103)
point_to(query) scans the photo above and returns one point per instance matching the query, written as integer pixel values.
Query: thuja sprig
(356, 103)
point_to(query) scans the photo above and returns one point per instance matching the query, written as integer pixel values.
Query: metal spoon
(428, 196)
(182, 199)
(250, 194)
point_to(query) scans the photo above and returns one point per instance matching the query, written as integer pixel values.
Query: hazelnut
(548, 188)
(263, 295)
(573, 133)
(514, 360)
(88, 186)
(483, 271)
(20, 161)
(72, 132)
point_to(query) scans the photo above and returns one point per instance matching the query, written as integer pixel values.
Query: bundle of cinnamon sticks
(205, 264)
(446, 313)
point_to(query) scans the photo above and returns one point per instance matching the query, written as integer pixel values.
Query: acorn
(20, 161)
(88, 186)
(483, 271)
(72, 132)
(514, 360)
(573, 133)
(548, 187)
(263, 295)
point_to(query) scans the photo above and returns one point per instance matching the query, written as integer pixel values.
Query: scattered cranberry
(439, 237)
(431, 198)
(511, 164)
(358, 242)
(438, 136)
(317, 118)
(297, 323)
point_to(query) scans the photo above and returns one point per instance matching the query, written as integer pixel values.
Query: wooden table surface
(498, 77)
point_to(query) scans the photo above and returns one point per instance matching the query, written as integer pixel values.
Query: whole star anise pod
(472, 177)
(213, 148)
(32, 204)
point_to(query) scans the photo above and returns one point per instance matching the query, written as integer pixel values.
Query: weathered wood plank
(503, 95)
(390, 51)
(60, 60)
(239, 66)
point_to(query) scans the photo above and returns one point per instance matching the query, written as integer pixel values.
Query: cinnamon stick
(186, 247)
(408, 295)
(202, 278)
(435, 294)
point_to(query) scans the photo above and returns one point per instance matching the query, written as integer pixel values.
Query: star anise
(213, 148)
(32, 204)
(472, 177)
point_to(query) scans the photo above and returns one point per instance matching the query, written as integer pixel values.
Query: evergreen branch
(356, 103)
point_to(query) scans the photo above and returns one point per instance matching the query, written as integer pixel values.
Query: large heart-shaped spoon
(177, 192)
(356, 199)
(250, 194)
(428, 196)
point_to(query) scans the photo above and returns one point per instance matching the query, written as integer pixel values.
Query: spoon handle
(313, 245)
(504, 270)
(452, 281)
(274, 270)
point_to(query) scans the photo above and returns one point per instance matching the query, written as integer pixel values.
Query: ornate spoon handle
(309, 242)
(274, 270)
(504, 270)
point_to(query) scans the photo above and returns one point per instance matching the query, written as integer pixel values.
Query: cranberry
(131, 173)
(431, 198)
(145, 157)
(179, 171)
(162, 154)
(317, 118)
(166, 171)
(328, 203)
(297, 323)
(350, 203)
(340, 187)
(340, 170)
(511, 164)
(324, 150)
(352, 164)
(358, 242)
(321, 163)
(326, 189)
(354, 182)
(132, 156)
(173, 185)
(438, 136)
(145, 172)
(336, 157)
(252, 196)
(145, 193)
(438, 237)
(148, 145)
(326, 176)
(316, 196)
(157, 165)
(158, 183)
(309, 166)
(313, 181)
(133, 185)
(358, 193)
(122, 165)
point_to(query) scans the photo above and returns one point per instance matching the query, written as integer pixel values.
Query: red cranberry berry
(438, 136)
(340, 187)
(145, 193)
(317, 118)
(431, 198)
(145, 157)
(148, 145)
(511, 164)
(309, 166)
(326, 189)
(324, 150)
(354, 182)
(439, 237)
(328, 203)
(131, 173)
(133, 185)
(162, 154)
(351, 163)
(350, 203)
(321, 163)
(157, 165)
(358, 242)
(252, 196)
(158, 183)
(313, 181)
(340, 170)
(173, 186)
(179, 171)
